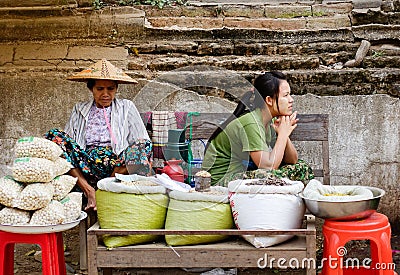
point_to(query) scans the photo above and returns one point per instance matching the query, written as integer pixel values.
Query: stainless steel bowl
(351, 210)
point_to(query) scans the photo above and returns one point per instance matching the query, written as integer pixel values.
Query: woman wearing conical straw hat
(104, 133)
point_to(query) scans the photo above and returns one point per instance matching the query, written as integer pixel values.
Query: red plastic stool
(53, 262)
(375, 228)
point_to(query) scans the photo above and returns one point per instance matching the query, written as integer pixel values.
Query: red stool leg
(7, 258)
(58, 248)
(6, 255)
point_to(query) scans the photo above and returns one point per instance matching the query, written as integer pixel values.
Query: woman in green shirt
(257, 135)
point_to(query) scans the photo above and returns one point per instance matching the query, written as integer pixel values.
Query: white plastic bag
(266, 207)
(72, 204)
(35, 196)
(315, 190)
(52, 214)
(37, 147)
(62, 186)
(9, 191)
(30, 170)
(13, 216)
(62, 166)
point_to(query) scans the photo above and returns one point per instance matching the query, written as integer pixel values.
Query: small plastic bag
(35, 196)
(9, 191)
(52, 214)
(72, 204)
(62, 186)
(30, 170)
(37, 147)
(13, 216)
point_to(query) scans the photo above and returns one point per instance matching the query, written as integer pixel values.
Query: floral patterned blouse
(97, 132)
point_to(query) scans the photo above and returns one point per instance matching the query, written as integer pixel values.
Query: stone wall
(41, 44)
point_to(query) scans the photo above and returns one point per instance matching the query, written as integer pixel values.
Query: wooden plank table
(235, 252)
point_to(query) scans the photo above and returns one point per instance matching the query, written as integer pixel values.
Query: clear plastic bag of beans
(9, 191)
(62, 166)
(30, 170)
(72, 204)
(52, 214)
(14, 216)
(62, 186)
(37, 147)
(35, 196)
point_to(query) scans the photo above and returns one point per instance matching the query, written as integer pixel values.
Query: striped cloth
(161, 122)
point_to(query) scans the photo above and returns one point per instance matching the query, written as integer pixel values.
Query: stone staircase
(311, 40)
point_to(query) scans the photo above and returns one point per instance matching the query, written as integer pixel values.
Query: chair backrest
(311, 127)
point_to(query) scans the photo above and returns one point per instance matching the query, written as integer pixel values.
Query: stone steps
(320, 82)
(275, 24)
(246, 47)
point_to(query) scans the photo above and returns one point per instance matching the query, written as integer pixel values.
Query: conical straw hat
(104, 70)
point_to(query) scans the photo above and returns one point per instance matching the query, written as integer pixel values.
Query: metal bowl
(351, 210)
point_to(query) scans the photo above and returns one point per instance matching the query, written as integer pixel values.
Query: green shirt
(232, 147)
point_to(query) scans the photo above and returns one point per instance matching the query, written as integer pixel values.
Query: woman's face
(104, 92)
(285, 100)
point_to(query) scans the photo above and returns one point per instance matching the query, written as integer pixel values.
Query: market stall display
(35, 195)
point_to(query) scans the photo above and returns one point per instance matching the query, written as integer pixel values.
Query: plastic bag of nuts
(14, 216)
(72, 204)
(37, 147)
(52, 214)
(62, 186)
(9, 191)
(62, 166)
(35, 196)
(33, 170)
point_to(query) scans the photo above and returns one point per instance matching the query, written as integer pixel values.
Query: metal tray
(39, 229)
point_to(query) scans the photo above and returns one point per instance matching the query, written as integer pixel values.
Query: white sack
(111, 184)
(266, 207)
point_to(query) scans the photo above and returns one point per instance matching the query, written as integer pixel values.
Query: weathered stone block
(186, 22)
(41, 52)
(287, 11)
(152, 11)
(335, 22)
(96, 53)
(331, 9)
(370, 16)
(191, 11)
(215, 48)
(243, 11)
(373, 32)
(6, 54)
(32, 3)
(270, 24)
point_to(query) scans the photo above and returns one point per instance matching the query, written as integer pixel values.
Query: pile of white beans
(72, 204)
(37, 147)
(53, 213)
(33, 170)
(13, 216)
(35, 196)
(62, 186)
(9, 191)
(34, 192)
